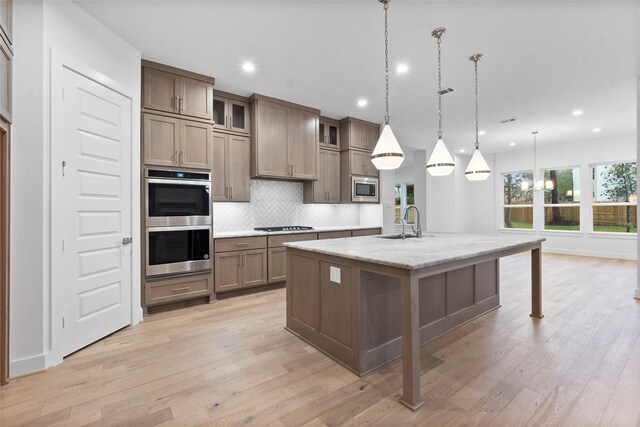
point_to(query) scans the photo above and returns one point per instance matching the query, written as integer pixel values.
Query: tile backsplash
(276, 203)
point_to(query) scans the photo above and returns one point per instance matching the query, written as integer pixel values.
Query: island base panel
(359, 320)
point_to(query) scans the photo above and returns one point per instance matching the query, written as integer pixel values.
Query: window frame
(575, 205)
(527, 205)
(594, 204)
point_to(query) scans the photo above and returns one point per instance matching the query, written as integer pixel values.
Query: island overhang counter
(366, 301)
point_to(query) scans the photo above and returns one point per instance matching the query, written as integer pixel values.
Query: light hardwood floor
(232, 363)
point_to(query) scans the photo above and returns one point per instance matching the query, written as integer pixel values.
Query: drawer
(240, 243)
(276, 241)
(334, 234)
(177, 289)
(366, 232)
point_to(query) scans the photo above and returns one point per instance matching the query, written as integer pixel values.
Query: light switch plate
(334, 274)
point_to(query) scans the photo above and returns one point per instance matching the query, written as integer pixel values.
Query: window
(615, 197)
(562, 199)
(404, 197)
(518, 200)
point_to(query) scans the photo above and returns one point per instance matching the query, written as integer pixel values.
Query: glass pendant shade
(440, 162)
(387, 154)
(478, 169)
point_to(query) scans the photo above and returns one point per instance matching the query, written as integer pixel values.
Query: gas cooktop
(285, 228)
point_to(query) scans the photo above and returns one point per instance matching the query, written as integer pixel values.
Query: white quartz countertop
(250, 233)
(413, 253)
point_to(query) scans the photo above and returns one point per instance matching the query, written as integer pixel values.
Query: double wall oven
(178, 220)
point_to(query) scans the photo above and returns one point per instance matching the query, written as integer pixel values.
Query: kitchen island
(366, 301)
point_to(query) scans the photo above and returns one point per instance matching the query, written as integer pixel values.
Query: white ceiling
(542, 60)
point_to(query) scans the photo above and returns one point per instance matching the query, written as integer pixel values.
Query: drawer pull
(242, 244)
(181, 289)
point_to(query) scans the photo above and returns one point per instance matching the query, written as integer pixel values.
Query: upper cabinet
(358, 134)
(283, 139)
(329, 134)
(230, 113)
(230, 172)
(176, 91)
(5, 81)
(327, 188)
(173, 142)
(6, 19)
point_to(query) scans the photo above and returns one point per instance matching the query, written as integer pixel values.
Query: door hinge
(63, 322)
(63, 245)
(64, 165)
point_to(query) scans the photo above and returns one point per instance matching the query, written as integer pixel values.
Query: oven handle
(180, 228)
(177, 181)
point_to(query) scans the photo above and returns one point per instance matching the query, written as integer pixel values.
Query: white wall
(40, 27)
(638, 151)
(577, 154)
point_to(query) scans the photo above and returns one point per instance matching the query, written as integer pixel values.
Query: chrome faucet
(401, 222)
(417, 231)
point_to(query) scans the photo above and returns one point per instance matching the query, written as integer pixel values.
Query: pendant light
(387, 154)
(539, 184)
(440, 162)
(478, 169)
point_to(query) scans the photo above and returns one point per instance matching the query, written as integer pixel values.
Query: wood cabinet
(327, 188)
(162, 291)
(283, 139)
(230, 170)
(359, 163)
(230, 113)
(170, 90)
(236, 269)
(329, 134)
(173, 142)
(277, 270)
(334, 234)
(6, 68)
(366, 232)
(358, 134)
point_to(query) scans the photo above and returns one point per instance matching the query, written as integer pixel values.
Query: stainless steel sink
(399, 236)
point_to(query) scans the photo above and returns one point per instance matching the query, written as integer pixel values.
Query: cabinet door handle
(226, 192)
(242, 244)
(180, 289)
(244, 258)
(173, 157)
(181, 155)
(231, 192)
(173, 102)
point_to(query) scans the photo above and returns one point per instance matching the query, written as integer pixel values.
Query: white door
(96, 211)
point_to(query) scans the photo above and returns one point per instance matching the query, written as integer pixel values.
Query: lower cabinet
(162, 291)
(277, 265)
(334, 234)
(237, 269)
(366, 232)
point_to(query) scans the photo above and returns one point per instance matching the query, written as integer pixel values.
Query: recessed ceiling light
(362, 102)
(402, 68)
(597, 130)
(481, 132)
(578, 113)
(248, 67)
(512, 144)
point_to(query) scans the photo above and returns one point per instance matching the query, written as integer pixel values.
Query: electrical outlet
(334, 274)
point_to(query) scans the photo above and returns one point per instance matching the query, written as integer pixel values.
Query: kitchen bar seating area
(311, 213)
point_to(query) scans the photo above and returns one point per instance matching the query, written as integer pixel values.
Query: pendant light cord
(476, 68)
(386, 57)
(439, 90)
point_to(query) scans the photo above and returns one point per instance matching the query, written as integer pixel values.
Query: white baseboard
(638, 293)
(596, 254)
(27, 365)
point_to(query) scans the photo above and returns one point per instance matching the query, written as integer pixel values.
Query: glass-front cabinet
(329, 135)
(230, 114)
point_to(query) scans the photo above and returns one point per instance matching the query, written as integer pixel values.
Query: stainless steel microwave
(364, 189)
